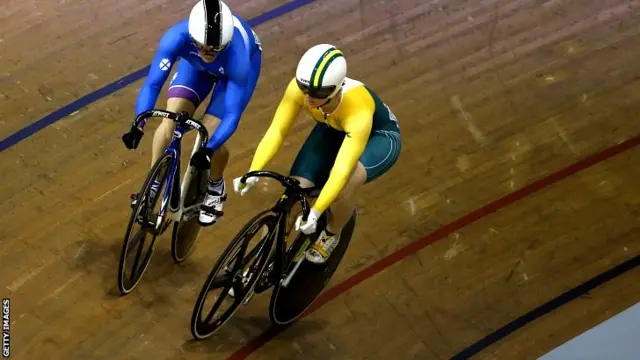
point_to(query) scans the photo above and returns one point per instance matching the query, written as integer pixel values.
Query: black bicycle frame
(282, 208)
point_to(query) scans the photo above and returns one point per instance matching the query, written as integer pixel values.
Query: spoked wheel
(288, 303)
(186, 231)
(237, 269)
(133, 258)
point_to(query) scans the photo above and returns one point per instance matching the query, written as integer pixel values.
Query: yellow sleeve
(283, 119)
(358, 127)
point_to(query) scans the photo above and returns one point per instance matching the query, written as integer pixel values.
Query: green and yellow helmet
(321, 71)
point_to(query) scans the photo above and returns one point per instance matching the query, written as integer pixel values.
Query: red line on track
(439, 234)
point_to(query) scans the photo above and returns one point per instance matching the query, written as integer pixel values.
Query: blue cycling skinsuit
(234, 72)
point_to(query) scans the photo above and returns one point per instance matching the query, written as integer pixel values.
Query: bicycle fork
(169, 195)
(298, 259)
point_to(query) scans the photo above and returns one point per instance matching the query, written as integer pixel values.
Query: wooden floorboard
(491, 95)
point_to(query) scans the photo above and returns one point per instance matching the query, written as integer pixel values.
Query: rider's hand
(132, 138)
(308, 227)
(244, 188)
(201, 160)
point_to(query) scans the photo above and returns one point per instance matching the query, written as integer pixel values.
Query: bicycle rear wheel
(290, 302)
(185, 232)
(237, 268)
(142, 215)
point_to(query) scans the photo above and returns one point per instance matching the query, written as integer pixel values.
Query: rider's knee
(166, 128)
(175, 104)
(304, 183)
(345, 197)
(210, 122)
(356, 180)
(222, 152)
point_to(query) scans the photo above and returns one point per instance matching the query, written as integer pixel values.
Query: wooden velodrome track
(517, 183)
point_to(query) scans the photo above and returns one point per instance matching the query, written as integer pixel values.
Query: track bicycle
(241, 272)
(180, 203)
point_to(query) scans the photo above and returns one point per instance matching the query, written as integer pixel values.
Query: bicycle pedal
(215, 212)
(212, 210)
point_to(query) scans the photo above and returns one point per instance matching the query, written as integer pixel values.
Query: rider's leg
(164, 132)
(344, 205)
(381, 152)
(314, 162)
(315, 158)
(186, 90)
(341, 210)
(220, 157)
(216, 192)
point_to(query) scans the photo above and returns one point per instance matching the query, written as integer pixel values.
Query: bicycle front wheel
(237, 269)
(132, 252)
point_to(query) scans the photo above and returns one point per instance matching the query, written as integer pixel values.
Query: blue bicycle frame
(184, 124)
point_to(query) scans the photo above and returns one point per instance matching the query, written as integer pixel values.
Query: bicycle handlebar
(286, 181)
(180, 118)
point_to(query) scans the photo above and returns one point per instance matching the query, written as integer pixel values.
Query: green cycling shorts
(318, 153)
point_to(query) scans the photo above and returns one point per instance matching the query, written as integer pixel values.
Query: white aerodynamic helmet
(321, 71)
(211, 24)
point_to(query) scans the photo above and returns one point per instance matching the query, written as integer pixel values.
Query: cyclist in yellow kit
(355, 140)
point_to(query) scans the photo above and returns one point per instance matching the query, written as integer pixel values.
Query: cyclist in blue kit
(217, 48)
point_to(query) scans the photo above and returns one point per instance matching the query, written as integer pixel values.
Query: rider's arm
(238, 69)
(166, 55)
(283, 119)
(358, 128)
